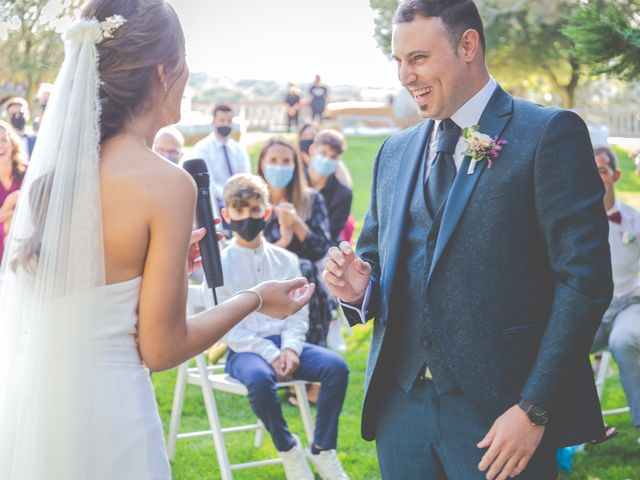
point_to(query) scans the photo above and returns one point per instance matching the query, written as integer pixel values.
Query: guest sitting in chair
(321, 168)
(620, 328)
(263, 350)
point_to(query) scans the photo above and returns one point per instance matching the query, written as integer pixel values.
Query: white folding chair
(210, 378)
(601, 378)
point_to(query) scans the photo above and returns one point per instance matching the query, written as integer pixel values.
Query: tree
(33, 50)
(607, 38)
(385, 10)
(525, 44)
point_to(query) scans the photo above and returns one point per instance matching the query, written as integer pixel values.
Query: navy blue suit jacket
(521, 272)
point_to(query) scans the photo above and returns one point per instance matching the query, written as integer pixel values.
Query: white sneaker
(295, 464)
(327, 465)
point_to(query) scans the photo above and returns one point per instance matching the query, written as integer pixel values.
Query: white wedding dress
(76, 401)
(128, 443)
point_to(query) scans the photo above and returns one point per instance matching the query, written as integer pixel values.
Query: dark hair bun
(151, 36)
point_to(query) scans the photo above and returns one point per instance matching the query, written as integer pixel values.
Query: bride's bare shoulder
(129, 167)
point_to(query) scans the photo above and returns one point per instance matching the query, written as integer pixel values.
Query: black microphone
(211, 263)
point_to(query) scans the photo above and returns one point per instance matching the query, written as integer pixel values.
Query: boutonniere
(481, 146)
(628, 238)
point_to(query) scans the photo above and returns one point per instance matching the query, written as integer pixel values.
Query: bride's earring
(164, 87)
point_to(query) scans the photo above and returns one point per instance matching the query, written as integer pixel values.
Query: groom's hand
(511, 443)
(346, 275)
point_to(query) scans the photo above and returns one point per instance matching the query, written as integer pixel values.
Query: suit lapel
(494, 119)
(409, 173)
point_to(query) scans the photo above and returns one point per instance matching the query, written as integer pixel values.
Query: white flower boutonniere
(628, 238)
(481, 146)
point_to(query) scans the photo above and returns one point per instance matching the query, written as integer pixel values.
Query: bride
(94, 277)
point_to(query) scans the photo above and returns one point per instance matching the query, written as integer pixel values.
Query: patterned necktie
(226, 157)
(443, 169)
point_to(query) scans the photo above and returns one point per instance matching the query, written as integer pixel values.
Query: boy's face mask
(324, 166)
(248, 228)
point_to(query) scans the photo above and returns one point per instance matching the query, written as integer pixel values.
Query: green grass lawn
(618, 459)
(195, 458)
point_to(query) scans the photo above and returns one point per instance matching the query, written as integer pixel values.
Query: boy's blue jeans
(317, 364)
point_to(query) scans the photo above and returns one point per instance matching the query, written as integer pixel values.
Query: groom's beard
(423, 107)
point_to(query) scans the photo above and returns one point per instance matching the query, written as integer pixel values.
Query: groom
(487, 280)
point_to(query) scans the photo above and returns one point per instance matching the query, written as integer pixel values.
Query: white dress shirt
(211, 151)
(624, 241)
(466, 116)
(244, 268)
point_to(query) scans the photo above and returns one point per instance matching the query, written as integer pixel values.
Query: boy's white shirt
(244, 268)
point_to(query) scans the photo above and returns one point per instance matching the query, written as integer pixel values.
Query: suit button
(427, 310)
(426, 343)
(431, 244)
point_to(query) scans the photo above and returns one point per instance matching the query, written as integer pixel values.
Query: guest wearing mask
(169, 143)
(17, 114)
(322, 165)
(300, 224)
(224, 156)
(306, 134)
(12, 169)
(263, 350)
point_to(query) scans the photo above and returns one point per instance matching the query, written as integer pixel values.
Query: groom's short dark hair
(457, 16)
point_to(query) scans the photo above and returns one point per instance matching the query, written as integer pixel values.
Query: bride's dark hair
(151, 36)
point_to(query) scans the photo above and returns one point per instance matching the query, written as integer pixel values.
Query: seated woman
(299, 223)
(322, 164)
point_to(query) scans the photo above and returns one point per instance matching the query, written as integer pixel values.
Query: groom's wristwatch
(538, 415)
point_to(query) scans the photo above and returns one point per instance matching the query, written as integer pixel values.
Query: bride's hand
(194, 259)
(283, 299)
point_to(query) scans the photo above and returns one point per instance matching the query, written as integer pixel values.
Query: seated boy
(263, 350)
(324, 157)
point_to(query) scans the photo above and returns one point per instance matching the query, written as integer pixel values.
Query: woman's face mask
(279, 176)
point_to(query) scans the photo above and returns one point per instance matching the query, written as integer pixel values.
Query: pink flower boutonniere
(481, 146)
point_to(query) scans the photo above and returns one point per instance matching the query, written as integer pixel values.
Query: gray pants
(620, 331)
(423, 436)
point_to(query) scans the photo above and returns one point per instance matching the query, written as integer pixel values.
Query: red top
(4, 193)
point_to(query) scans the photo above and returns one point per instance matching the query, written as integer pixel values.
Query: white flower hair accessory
(91, 29)
(110, 25)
